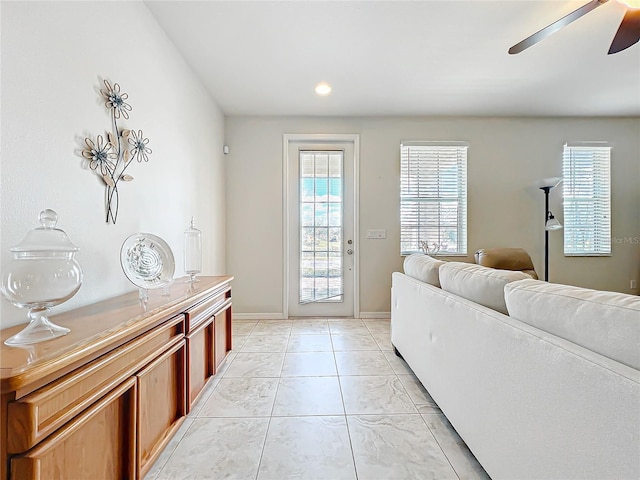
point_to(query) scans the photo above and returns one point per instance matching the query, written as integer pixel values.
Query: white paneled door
(321, 217)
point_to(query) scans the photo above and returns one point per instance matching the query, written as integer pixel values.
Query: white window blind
(587, 199)
(433, 196)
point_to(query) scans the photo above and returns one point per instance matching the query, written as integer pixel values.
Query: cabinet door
(37, 415)
(161, 404)
(67, 454)
(222, 335)
(199, 360)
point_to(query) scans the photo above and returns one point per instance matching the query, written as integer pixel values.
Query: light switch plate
(377, 234)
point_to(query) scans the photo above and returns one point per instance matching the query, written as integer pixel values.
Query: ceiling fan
(628, 33)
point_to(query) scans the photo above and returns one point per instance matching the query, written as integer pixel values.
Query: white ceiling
(404, 57)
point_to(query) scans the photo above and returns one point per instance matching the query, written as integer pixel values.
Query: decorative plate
(147, 261)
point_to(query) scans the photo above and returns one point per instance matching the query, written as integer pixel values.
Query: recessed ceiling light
(323, 89)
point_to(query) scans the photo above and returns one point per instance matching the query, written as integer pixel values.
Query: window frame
(413, 195)
(313, 201)
(586, 169)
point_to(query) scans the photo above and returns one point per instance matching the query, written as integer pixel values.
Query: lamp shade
(549, 182)
(552, 223)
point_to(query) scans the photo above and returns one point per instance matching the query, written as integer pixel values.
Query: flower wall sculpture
(110, 157)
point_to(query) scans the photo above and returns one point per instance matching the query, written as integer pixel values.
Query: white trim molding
(258, 316)
(287, 139)
(373, 315)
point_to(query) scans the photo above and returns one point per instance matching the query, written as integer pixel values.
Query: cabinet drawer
(204, 310)
(65, 454)
(33, 417)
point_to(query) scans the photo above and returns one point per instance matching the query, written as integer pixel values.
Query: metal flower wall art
(110, 155)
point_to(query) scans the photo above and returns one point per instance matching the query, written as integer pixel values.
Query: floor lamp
(550, 222)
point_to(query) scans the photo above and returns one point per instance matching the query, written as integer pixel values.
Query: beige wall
(53, 54)
(506, 158)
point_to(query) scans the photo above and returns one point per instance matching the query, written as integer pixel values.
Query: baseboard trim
(258, 316)
(375, 314)
(280, 316)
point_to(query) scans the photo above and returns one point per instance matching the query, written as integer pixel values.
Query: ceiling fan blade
(628, 33)
(555, 26)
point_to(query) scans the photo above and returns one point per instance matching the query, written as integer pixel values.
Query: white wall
(506, 157)
(53, 57)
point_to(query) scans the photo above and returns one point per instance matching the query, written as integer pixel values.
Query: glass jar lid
(46, 237)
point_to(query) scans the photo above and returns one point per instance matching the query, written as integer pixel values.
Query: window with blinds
(587, 199)
(433, 197)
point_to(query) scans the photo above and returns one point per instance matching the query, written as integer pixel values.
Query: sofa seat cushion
(479, 284)
(607, 323)
(424, 268)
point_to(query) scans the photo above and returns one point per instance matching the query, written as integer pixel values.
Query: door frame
(289, 139)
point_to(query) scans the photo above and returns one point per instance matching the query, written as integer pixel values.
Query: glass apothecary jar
(42, 273)
(192, 251)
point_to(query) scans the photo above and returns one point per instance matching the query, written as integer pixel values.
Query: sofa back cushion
(607, 323)
(479, 284)
(424, 268)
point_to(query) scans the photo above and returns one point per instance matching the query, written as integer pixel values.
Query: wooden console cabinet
(104, 400)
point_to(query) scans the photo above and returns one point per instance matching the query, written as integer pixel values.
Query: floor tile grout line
(275, 396)
(435, 437)
(344, 408)
(353, 455)
(264, 444)
(305, 415)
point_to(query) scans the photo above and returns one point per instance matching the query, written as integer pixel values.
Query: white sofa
(550, 392)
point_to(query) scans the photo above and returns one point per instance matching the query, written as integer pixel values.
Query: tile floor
(322, 399)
